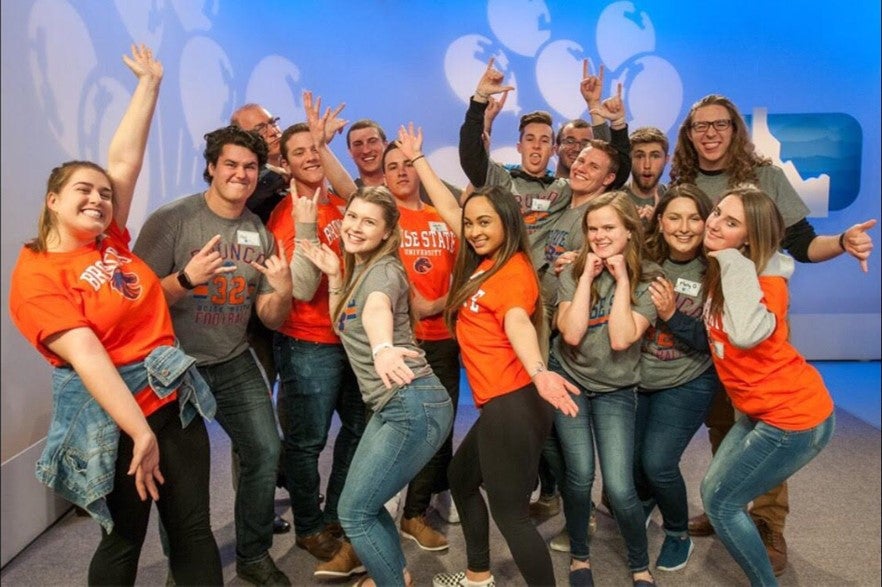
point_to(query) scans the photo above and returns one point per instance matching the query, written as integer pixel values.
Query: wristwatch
(184, 280)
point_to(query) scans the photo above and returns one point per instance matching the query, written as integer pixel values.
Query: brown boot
(322, 545)
(419, 530)
(700, 526)
(776, 546)
(344, 564)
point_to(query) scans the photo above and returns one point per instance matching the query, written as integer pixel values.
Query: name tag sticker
(538, 205)
(437, 227)
(247, 237)
(687, 287)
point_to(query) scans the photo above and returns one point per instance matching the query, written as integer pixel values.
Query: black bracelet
(415, 159)
(842, 241)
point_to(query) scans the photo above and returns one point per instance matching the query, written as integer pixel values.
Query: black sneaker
(262, 572)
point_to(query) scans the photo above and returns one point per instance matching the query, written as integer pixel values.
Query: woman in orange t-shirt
(495, 309)
(787, 413)
(98, 314)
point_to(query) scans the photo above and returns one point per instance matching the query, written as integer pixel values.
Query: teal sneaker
(675, 553)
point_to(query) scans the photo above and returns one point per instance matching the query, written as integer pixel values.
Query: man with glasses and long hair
(714, 151)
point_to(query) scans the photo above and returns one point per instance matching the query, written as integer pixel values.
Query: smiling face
(400, 176)
(535, 147)
(303, 160)
(258, 119)
(607, 234)
(234, 176)
(572, 141)
(83, 207)
(482, 227)
(364, 228)
(682, 228)
(726, 226)
(366, 148)
(711, 145)
(590, 173)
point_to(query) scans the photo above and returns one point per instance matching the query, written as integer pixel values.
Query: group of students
(580, 319)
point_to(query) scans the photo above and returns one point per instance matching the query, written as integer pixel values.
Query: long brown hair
(515, 241)
(382, 197)
(765, 229)
(58, 179)
(657, 248)
(742, 156)
(624, 208)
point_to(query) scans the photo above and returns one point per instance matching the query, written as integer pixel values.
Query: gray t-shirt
(540, 202)
(593, 363)
(209, 320)
(668, 361)
(564, 234)
(772, 181)
(386, 276)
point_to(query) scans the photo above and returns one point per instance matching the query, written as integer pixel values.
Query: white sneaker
(443, 504)
(459, 580)
(393, 506)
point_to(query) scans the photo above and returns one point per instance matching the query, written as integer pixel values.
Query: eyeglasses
(571, 142)
(265, 125)
(703, 126)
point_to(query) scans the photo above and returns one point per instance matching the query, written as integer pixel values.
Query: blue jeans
(398, 441)
(245, 412)
(753, 458)
(667, 419)
(606, 419)
(315, 380)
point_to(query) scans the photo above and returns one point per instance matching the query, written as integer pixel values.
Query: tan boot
(344, 564)
(426, 537)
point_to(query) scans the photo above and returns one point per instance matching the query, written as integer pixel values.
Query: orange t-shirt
(310, 320)
(771, 382)
(492, 367)
(428, 252)
(103, 287)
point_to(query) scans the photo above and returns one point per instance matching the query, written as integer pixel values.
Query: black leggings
(183, 505)
(505, 443)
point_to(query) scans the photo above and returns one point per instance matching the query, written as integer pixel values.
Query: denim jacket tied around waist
(79, 459)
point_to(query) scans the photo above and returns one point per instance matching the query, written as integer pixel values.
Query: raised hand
(617, 267)
(613, 108)
(143, 64)
(322, 256)
(305, 209)
(662, 293)
(858, 243)
(491, 83)
(276, 270)
(207, 263)
(591, 85)
(410, 141)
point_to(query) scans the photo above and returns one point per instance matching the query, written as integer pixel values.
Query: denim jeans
(245, 412)
(667, 419)
(315, 379)
(753, 458)
(606, 419)
(443, 358)
(398, 441)
(183, 506)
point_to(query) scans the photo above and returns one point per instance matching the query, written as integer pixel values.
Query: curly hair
(742, 158)
(232, 135)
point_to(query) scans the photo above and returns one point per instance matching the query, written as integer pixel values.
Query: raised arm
(411, 142)
(273, 307)
(305, 276)
(613, 110)
(473, 155)
(81, 348)
(129, 142)
(323, 128)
